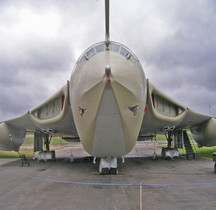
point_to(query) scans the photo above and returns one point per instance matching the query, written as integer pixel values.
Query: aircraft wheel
(215, 168)
(104, 171)
(113, 171)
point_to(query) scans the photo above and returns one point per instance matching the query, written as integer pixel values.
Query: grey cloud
(37, 55)
(174, 40)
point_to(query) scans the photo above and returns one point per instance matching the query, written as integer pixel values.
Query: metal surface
(107, 33)
(169, 153)
(107, 165)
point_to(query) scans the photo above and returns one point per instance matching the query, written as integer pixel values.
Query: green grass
(205, 151)
(13, 154)
(160, 138)
(29, 141)
(55, 141)
(202, 151)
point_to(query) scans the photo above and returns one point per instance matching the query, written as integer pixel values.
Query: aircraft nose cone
(107, 70)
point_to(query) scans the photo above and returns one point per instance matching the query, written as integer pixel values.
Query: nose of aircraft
(108, 96)
(108, 72)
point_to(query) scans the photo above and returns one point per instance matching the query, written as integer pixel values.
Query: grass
(205, 151)
(29, 151)
(200, 152)
(160, 138)
(55, 141)
(13, 154)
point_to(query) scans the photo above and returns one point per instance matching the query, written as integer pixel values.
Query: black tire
(113, 171)
(104, 171)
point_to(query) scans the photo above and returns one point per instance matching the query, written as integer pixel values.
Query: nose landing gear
(108, 165)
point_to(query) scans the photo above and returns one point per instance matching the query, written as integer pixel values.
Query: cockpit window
(99, 48)
(124, 52)
(90, 53)
(115, 48)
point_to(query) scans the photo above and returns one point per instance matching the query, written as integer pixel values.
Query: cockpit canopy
(102, 46)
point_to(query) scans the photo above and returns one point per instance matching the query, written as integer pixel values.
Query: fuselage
(108, 98)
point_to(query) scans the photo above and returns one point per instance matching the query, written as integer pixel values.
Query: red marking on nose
(108, 79)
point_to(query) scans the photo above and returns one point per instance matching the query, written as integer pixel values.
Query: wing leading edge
(163, 113)
(54, 116)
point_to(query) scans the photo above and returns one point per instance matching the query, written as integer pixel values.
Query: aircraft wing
(163, 113)
(54, 116)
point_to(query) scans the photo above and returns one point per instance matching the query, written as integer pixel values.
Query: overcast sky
(40, 41)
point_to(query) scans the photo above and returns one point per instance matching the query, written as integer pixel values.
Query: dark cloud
(183, 60)
(41, 41)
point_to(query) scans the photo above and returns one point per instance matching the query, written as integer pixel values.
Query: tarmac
(142, 183)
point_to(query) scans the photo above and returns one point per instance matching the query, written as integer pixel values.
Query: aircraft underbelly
(109, 135)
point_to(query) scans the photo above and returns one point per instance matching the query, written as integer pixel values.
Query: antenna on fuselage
(107, 33)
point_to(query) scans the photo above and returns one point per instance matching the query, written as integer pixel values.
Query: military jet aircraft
(108, 105)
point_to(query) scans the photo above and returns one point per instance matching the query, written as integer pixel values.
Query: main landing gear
(45, 138)
(169, 152)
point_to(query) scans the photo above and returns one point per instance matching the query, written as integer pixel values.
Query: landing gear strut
(47, 154)
(169, 140)
(23, 158)
(169, 152)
